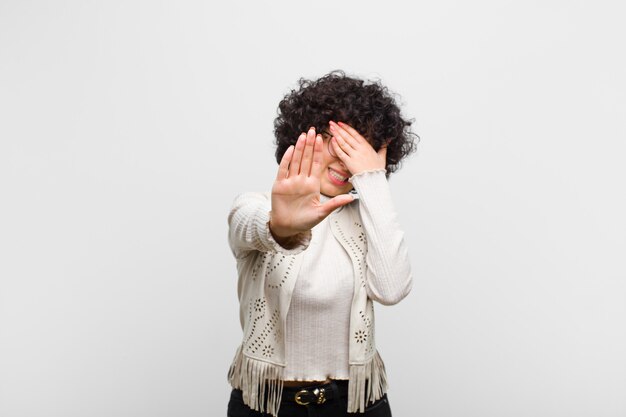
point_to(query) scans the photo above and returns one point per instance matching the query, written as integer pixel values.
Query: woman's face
(334, 179)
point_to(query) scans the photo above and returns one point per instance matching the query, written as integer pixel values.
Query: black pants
(336, 407)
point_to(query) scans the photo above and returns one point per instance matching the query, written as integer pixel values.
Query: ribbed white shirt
(318, 320)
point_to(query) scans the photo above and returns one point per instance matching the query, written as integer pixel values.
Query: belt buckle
(317, 392)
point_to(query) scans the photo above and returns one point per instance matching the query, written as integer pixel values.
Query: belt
(316, 393)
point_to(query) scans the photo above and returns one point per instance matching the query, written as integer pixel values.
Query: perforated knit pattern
(283, 288)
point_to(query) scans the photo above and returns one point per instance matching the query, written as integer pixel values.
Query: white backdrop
(127, 127)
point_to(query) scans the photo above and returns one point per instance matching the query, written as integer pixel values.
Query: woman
(314, 254)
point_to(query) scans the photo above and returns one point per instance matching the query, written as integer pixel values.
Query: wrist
(284, 237)
(278, 231)
(291, 241)
(367, 168)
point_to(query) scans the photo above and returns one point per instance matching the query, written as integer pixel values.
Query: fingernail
(332, 127)
(312, 128)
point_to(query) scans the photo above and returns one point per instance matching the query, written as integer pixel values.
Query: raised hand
(296, 205)
(354, 150)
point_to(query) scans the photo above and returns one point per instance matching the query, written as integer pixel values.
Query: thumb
(335, 202)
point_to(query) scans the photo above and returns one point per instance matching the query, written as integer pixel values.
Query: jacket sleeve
(388, 275)
(248, 228)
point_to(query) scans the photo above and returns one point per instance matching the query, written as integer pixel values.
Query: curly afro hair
(367, 106)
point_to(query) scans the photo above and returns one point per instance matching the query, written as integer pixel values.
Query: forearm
(388, 275)
(249, 228)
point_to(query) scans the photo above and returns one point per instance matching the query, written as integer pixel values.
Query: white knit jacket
(267, 276)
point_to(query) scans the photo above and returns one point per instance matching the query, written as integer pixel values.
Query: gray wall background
(127, 127)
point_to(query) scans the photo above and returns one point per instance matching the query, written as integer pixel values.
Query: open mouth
(337, 178)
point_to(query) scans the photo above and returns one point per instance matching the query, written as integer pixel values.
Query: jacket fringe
(252, 376)
(371, 374)
(368, 383)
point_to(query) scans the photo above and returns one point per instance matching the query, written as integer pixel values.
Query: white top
(317, 330)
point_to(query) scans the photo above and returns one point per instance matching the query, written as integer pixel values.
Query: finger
(294, 166)
(283, 168)
(347, 138)
(342, 146)
(307, 155)
(337, 149)
(353, 132)
(318, 150)
(335, 202)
